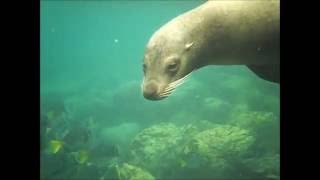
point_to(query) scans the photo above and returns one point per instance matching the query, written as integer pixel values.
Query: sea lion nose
(150, 90)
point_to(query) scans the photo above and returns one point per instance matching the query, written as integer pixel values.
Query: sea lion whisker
(186, 76)
(170, 86)
(169, 89)
(174, 83)
(178, 84)
(163, 96)
(166, 92)
(179, 80)
(174, 86)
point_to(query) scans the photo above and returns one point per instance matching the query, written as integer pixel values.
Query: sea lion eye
(172, 67)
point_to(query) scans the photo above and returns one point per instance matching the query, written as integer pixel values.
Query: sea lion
(214, 33)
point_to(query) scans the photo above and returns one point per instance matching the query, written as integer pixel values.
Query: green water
(223, 123)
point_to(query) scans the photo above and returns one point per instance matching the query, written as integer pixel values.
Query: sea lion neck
(227, 33)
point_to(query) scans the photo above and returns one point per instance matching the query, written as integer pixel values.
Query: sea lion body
(215, 33)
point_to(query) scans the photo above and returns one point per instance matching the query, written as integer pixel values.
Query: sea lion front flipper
(267, 72)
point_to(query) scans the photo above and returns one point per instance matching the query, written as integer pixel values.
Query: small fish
(50, 115)
(48, 130)
(81, 156)
(53, 115)
(56, 146)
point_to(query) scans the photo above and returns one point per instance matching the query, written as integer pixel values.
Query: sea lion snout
(150, 90)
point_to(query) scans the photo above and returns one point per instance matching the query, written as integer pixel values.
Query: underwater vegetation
(127, 171)
(156, 148)
(222, 123)
(95, 136)
(166, 149)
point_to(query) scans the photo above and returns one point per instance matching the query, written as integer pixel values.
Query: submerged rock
(264, 167)
(253, 120)
(167, 150)
(264, 125)
(219, 146)
(155, 147)
(130, 172)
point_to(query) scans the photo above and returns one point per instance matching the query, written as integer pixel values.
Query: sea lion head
(166, 64)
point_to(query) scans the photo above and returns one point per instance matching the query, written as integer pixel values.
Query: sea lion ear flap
(188, 46)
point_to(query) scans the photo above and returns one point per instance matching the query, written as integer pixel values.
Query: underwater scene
(95, 123)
